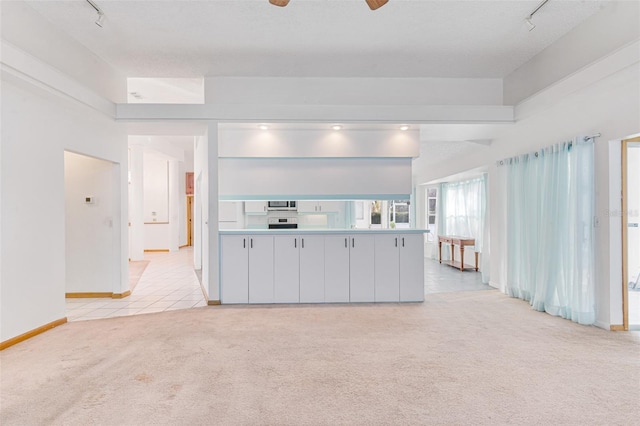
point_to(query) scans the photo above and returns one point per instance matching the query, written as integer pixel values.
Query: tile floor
(441, 278)
(169, 282)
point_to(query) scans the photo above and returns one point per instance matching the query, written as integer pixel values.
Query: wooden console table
(456, 241)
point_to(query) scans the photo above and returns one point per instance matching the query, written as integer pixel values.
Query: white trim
(20, 65)
(584, 77)
(318, 113)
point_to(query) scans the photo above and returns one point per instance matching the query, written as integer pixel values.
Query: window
(399, 214)
(432, 197)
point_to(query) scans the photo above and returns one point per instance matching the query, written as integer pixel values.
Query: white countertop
(319, 231)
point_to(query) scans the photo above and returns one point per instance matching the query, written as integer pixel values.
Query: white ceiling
(336, 38)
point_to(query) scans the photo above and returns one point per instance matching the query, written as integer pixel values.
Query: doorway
(631, 233)
(189, 220)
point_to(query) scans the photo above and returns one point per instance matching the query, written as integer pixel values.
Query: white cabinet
(234, 269)
(318, 206)
(286, 272)
(329, 206)
(411, 267)
(260, 269)
(336, 268)
(312, 261)
(361, 270)
(399, 268)
(387, 268)
(307, 206)
(319, 268)
(255, 207)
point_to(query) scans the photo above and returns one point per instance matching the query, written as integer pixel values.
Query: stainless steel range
(283, 223)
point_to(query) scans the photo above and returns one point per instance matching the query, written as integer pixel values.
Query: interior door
(189, 220)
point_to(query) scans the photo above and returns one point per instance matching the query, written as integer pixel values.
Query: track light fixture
(100, 20)
(530, 23)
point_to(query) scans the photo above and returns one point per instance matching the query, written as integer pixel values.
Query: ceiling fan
(373, 4)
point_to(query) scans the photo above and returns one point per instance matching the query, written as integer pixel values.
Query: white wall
(37, 127)
(32, 33)
(156, 187)
(353, 91)
(89, 227)
(308, 178)
(314, 143)
(613, 27)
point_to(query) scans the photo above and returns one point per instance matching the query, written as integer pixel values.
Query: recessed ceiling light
(404, 127)
(263, 127)
(336, 127)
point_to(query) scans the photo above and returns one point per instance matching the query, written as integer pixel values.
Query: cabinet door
(336, 269)
(387, 268)
(307, 206)
(311, 269)
(260, 269)
(329, 206)
(286, 269)
(234, 269)
(412, 268)
(255, 207)
(361, 271)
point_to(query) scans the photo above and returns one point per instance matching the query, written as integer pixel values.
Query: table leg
(461, 257)
(453, 257)
(440, 251)
(476, 261)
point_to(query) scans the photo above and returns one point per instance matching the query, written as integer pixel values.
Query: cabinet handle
(353, 242)
(396, 241)
(295, 243)
(402, 241)
(251, 242)
(319, 208)
(302, 242)
(244, 243)
(345, 243)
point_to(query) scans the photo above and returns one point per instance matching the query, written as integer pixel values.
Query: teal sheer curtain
(550, 239)
(463, 212)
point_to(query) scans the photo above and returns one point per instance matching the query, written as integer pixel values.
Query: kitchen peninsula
(321, 266)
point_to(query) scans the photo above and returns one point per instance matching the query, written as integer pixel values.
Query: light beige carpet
(468, 358)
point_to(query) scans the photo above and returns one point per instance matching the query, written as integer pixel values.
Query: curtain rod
(585, 139)
(597, 135)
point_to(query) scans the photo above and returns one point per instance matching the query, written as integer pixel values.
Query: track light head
(100, 19)
(530, 24)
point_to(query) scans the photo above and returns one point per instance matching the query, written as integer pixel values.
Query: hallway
(168, 283)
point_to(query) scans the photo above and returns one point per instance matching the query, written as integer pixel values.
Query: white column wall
(174, 205)
(136, 202)
(213, 267)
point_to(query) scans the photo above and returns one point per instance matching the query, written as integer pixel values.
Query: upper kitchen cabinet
(318, 206)
(255, 207)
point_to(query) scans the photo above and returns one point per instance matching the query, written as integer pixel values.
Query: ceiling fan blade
(281, 3)
(374, 4)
